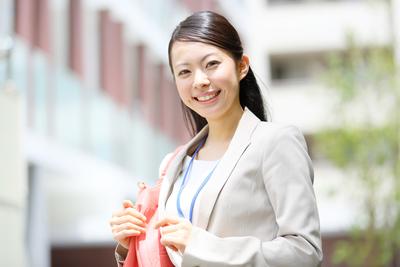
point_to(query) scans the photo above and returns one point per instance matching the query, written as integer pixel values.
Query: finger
(127, 226)
(118, 213)
(172, 241)
(126, 233)
(169, 229)
(167, 243)
(135, 213)
(127, 219)
(171, 247)
(127, 204)
(167, 221)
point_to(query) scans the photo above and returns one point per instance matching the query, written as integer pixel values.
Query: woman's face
(207, 78)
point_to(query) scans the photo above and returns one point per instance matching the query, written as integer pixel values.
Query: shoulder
(284, 147)
(269, 136)
(274, 131)
(167, 158)
(164, 162)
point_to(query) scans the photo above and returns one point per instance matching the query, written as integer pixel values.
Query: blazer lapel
(238, 145)
(174, 169)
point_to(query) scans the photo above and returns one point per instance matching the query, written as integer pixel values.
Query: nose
(200, 79)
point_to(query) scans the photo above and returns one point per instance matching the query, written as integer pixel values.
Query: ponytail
(250, 95)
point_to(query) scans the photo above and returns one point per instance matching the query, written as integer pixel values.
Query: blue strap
(184, 182)
(198, 192)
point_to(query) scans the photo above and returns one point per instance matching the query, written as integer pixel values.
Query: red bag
(146, 250)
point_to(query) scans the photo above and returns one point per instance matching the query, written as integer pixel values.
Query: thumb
(127, 204)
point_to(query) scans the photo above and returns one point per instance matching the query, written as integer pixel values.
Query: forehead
(184, 52)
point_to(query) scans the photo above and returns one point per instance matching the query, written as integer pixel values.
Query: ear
(244, 66)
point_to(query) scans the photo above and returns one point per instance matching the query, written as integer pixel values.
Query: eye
(212, 63)
(183, 72)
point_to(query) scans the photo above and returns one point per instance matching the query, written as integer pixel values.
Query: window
(296, 67)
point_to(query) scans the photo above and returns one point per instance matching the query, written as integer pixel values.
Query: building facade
(99, 110)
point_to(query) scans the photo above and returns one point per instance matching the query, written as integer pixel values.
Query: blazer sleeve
(288, 176)
(120, 255)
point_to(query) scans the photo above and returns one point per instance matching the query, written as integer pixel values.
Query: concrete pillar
(38, 243)
(13, 181)
(13, 188)
(6, 17)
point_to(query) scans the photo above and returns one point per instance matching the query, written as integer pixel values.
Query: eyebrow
(202, 59)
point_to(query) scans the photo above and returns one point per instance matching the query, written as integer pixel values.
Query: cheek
(228, 84)
(183, 90)
(226, 76)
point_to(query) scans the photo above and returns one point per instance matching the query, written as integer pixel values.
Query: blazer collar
(207, 199)
(174, 170)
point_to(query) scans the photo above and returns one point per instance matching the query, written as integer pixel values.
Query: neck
(222, 130)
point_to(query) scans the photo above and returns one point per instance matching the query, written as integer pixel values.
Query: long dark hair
(211, 28)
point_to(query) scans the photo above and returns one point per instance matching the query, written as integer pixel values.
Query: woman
(240, 192)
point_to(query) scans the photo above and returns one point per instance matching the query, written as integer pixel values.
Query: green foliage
(369, 149)
(347, 147)
(356, 70)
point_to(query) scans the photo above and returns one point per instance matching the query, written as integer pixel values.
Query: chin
(211, 115)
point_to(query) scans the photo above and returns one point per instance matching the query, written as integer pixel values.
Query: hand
(126, 223)
(175, 232)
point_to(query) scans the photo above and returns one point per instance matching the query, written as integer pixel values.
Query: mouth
(207, 98)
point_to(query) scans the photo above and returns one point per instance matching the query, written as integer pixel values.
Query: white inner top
(199, 171)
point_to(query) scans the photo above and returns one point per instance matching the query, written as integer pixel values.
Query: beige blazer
(259, 208)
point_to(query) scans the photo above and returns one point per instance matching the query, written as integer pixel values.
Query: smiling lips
(208, 97)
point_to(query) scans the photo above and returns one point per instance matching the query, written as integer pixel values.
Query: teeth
(207, 97)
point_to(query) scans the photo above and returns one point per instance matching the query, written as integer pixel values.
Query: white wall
(13, 182)
(322, 26)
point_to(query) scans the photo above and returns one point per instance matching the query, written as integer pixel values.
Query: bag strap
(164, 171)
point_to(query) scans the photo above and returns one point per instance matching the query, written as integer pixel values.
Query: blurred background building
(88, 108)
